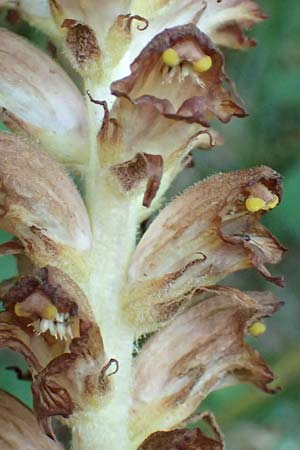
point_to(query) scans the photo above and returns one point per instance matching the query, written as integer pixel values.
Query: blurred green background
(268, 79)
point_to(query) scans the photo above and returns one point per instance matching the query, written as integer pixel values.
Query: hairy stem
(114, 222)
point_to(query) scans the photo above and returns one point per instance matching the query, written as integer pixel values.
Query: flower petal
(198, 352)
(188, 90)
(19, 428)
(48, 319)
(225, 21)
(199, 238)
(40, 205)
(183, 439)
(37, 97)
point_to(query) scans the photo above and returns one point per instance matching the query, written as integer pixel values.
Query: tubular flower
(199, 351)
(38, 98)
(172, 103)
(42, 207)
(153, 80)
(201, 237)
(47, 318)
(19, 428)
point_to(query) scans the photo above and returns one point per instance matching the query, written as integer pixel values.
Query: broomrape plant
(152, 79)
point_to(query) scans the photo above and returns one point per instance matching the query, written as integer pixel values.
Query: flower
(153, 80)
(42, 207)
(198, 239)
(47, 318)
(198, 352)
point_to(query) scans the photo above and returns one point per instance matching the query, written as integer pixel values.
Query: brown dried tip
(186, 84)
(82, 42)
(95, 36)
(201, 237)
(20, 429)
(48, 320)
(198, 352)
(143, 167)
(41, 205)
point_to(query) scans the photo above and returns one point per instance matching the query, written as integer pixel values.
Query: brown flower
(181, 73)
(199, 351)
(202, 236)
(47, 318)
(38, 98)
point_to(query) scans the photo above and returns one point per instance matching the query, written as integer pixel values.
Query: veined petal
(48, 319)
(41, 206)
(185, 88)
(20, 429)
(196, 353)
(223, 21)
(37, 97)
(182, 439)
(199, 238)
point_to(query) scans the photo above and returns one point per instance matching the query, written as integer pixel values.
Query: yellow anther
(202, 64)
(257, 329)
(20, 311)
(272, 203)
(50, 312)
(254, 204)
(170, 57)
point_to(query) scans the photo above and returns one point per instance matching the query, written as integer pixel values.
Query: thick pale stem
(114, 222)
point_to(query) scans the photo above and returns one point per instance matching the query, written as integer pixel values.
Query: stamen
(272, 203)
(257, 329)
(170, 57)
(254, 204)
(20, 311)
(50, 312)
(202, 64)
